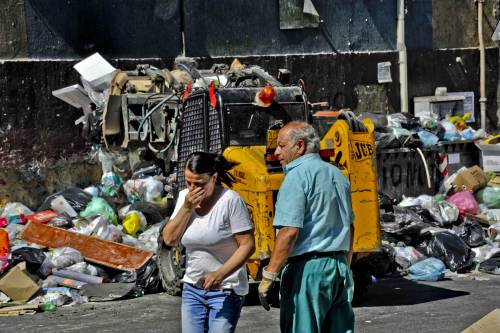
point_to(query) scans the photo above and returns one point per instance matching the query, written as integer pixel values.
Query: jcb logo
(362, 150)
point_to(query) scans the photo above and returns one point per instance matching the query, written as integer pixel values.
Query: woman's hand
(194, 198)
(212, 280)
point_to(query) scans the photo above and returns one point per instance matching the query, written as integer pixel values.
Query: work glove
(265, 287)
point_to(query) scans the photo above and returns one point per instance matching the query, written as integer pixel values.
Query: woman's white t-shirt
(209, 239)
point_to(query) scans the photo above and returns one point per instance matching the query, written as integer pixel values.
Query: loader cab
(234, 119)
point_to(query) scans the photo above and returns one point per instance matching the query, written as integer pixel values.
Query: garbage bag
(412, 141)
(443, 212)
(405, 224)
(430, 269)
(450, 131)
(111, 183)
(150, 210)
(386, 140)
(403, 120)
(107, 232)
(449, 248)
(134, 189)
(492, 265)
(485, 252)
(147, 277)
(99, 206)
(472, 233)
(153, 189)
(15, 208)
(76, 197)
(407, 256)
(37, 262)
(63, 257)
(428, 139)
(150, 237)
(61, 221)
(399, 132)
(386, 202)
(438, 131)
(465, 202)
(86, 268)
(489, 196)
(134, 222)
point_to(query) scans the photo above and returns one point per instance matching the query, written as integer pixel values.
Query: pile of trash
(403, 130)
(427, 236)
(97, 243)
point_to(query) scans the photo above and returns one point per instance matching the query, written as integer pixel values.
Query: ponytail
(201, 162)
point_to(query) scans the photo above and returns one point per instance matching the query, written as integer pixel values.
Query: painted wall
(40, 41)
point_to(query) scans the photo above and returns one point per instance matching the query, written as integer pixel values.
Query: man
(314, 217)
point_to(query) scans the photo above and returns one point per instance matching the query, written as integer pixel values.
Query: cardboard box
(17, 283)
(472, 179)
(494, 182)
(490, 157)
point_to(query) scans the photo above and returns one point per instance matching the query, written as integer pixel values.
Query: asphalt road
(392, 305)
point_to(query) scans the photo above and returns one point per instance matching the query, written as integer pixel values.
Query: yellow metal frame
(357, 161)
(257, 187)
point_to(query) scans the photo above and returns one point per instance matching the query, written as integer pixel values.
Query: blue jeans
(210, 311)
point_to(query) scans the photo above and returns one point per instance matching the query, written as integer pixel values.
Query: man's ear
(302, 147)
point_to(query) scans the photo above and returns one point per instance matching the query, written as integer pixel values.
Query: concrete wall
(40, 41)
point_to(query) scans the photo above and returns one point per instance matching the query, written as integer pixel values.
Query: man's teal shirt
(315, 197)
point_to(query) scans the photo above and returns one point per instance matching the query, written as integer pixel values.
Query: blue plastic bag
(428, 139)
(430, 269)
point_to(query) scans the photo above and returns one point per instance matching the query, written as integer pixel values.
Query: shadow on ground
(400, 291)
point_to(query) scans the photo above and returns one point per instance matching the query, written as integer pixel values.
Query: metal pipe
(482, 67)
(403, 65)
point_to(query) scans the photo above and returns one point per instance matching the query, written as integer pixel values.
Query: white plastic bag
(63, 257)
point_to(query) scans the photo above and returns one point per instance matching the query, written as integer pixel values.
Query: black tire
(171, 263)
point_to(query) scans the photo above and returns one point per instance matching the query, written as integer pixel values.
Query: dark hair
(201, 162)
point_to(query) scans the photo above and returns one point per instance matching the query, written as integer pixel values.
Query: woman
(213, 224)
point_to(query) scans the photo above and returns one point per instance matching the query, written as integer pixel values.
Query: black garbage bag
(405, 224)
(76, 197)
(472, 233)
(386, 140)
(147, 278)
(492, 265)
(37, 263)
(378, 264)
(151, 211)
(404, 120)
(385, 202)
(412, 141)
(450, 249)
(63, 220)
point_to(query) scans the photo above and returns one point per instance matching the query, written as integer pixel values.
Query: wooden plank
(109, 254)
